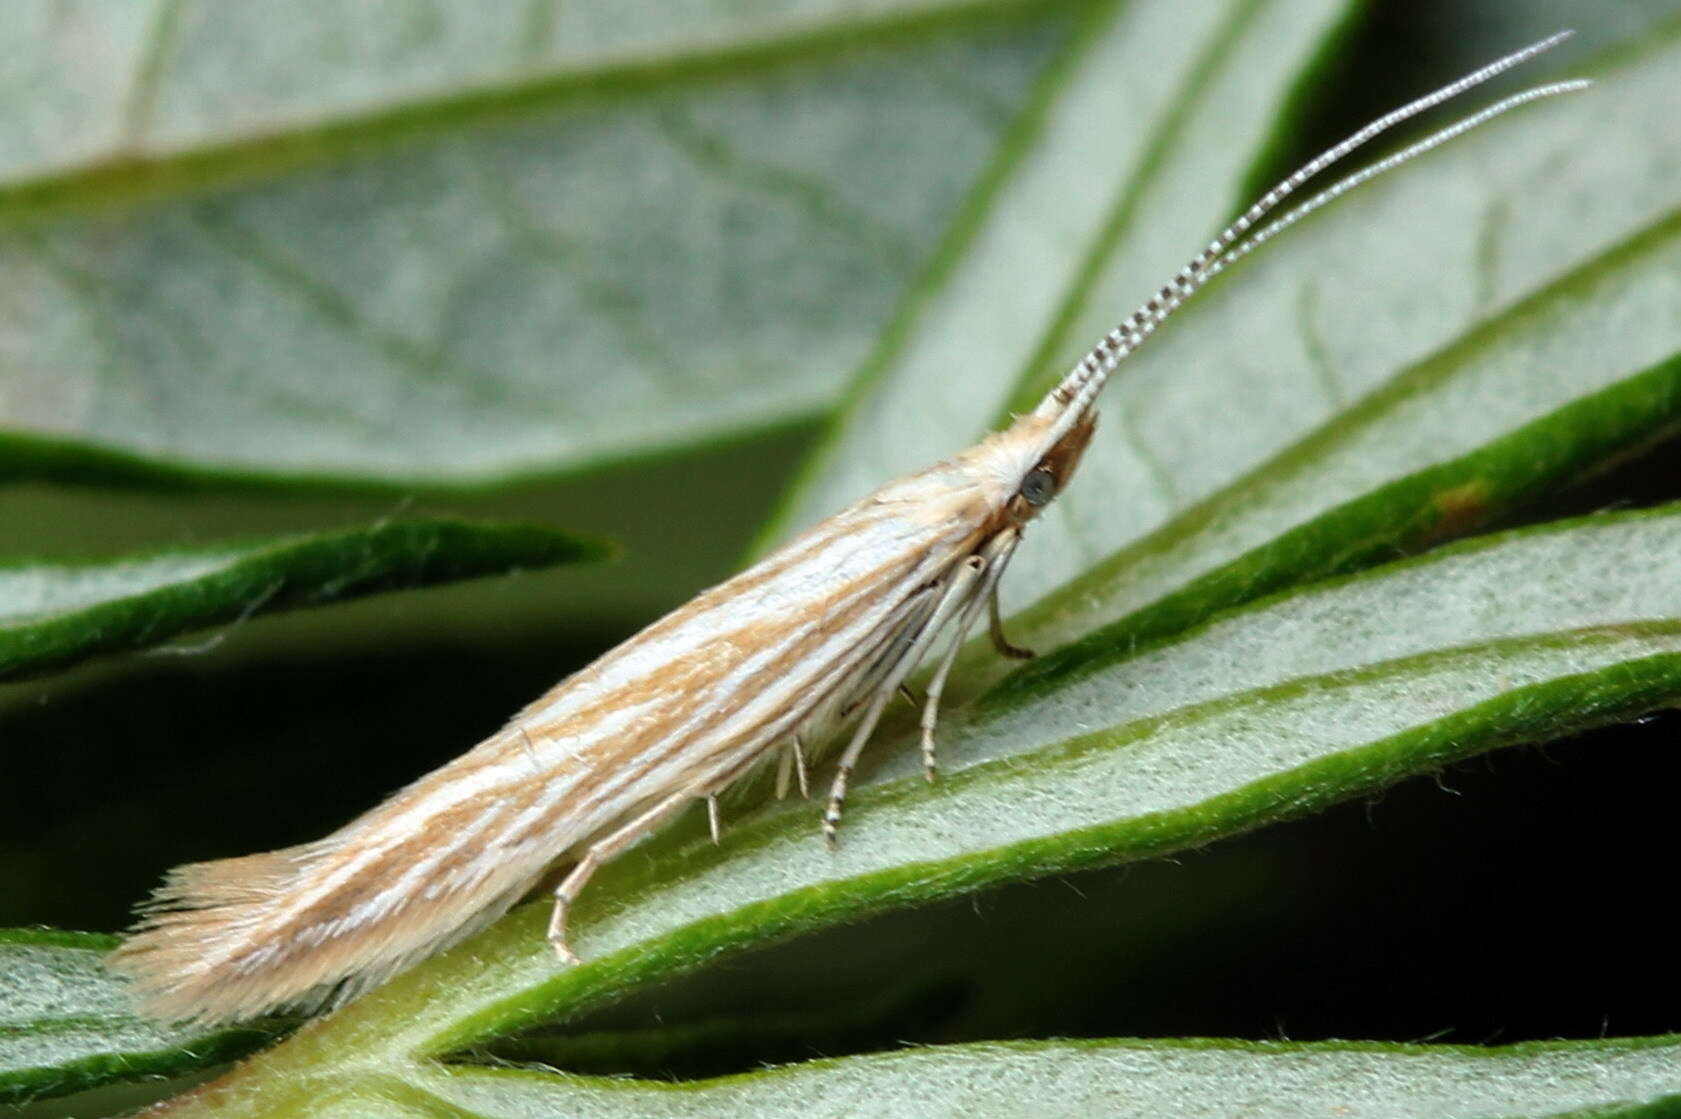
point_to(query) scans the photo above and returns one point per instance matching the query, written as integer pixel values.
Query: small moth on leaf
(816, 637)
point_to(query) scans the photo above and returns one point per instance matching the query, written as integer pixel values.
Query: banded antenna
(1084, 381)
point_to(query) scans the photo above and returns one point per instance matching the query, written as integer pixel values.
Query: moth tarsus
(820, 633)
(995, 631)
(598, 853)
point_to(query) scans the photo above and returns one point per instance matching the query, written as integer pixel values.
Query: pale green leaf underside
(1121, 1079)
(110, 80)
(600, 275)
(65, 1025)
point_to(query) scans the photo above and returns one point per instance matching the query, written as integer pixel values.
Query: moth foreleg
(995, 630)
(600, 852)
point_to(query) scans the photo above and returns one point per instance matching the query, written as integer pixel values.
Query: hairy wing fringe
(224, 940)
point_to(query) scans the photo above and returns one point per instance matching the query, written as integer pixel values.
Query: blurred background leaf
(624, 268)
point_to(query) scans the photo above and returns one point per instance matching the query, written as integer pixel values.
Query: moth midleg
(956, 598)
(597, 853)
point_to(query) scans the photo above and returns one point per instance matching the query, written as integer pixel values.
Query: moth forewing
(816, 636)
(670, 716)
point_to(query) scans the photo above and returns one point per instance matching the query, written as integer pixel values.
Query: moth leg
(597, 853)
(796, 750)
(937, 682)
(937, 687)
(792, 764)
(837, 791)
(1001, 550)
(959, 596)
(712, 817)
(995, 629)
(784, 770)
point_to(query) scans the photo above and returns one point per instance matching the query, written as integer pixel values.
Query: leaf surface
(454, 248)
(1529, 635)
(1133, 1078)
(65, 1025)
(53, 613)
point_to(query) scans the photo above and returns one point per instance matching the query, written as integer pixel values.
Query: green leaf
(665, 1051)
(605, 231)
(65, 1025)
(1123, 1078)
(53, 614)
(1261, 715)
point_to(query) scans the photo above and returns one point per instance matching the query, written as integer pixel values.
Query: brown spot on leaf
(1456, 511)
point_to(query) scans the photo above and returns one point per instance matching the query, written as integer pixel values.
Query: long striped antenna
(1082, 384)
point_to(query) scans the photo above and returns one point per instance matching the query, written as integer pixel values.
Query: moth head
(1052, 468)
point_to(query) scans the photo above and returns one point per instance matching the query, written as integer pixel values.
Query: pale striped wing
(688, 704)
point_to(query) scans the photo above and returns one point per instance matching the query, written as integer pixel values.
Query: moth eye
(1038, 487)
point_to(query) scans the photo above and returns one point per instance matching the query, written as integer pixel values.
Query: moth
(815, 638)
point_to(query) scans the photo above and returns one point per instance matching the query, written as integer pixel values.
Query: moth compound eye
(1038, 487)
